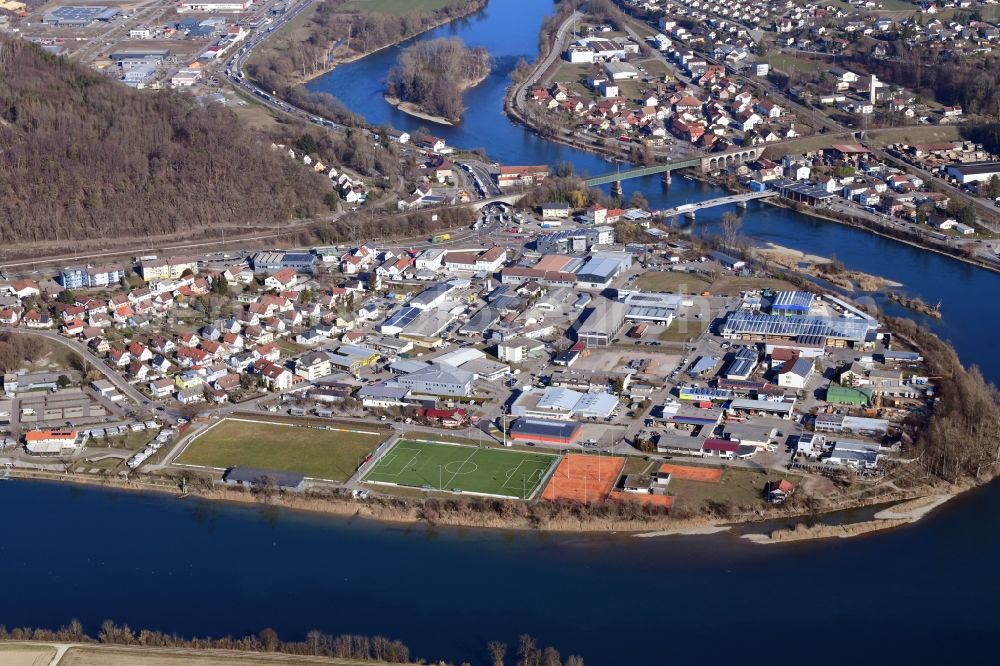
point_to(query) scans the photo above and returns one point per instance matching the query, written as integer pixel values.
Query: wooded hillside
(85, 157)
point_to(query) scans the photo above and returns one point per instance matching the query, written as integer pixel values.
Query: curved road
(119, 382)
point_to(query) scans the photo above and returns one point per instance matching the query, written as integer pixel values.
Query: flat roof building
(792, 303)
(438, 380)
(542, 430)
(252, 477)
(974, 172)
(602, 323)
(70, 15)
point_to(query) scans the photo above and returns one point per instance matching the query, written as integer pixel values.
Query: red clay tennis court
(584, 478)
(703, 474)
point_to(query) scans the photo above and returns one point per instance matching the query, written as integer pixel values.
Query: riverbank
(613, 518)
(413, 110)
(905, 513)
(820, 267)
(80, 653)
(814, 212)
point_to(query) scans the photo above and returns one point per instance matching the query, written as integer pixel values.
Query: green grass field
(314, 452)
(682, 330)
(786, 62)
(462, 468)
(674, 281)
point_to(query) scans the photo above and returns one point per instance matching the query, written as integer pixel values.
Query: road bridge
(691, 208)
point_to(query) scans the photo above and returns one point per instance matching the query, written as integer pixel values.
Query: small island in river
(429, 78)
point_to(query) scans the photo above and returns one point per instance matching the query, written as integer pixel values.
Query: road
(119, 382)
(543, 65)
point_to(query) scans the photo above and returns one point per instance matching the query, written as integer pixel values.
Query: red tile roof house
(10, 316)
(449, 418)
(74, 327)
(25, 288)
(721, 447)
(778, 491)
(282, 280)
(36, 319)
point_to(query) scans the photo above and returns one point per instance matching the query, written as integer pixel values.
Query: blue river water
(920, 594)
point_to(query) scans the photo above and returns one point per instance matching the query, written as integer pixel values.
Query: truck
(638, 331)
(440, 238)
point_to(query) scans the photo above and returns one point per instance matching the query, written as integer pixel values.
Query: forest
(959, 441)
(432, 75)
(85, 157)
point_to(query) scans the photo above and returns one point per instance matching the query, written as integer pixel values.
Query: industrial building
(542, 430)
(438, 380)
(791, 303)
(602, 268)
(72, 16)
(851, 424)
(751, 407)
(563, 404)
(574, 241)
(272, 262)
(432, 297)
(974, 172)
(854, 453)
(743, 363)
(600, 324)
(839, 331)
(204, 6)
(397, 322)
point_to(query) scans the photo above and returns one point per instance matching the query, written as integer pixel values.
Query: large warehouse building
(974, 172)
(602, 323)
(71, 16)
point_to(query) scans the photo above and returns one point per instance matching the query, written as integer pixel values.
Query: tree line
(433, 74)
(85, 157)
(959, 441)
(357, 647)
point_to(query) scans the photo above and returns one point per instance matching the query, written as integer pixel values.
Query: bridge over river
(690, 209)
(705, 163)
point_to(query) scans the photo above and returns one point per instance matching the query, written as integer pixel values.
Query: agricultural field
(458, 468)
(312, 451)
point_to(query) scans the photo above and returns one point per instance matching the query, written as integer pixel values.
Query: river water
(919, 594)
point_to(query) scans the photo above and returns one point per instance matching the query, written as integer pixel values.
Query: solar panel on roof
(746, 323)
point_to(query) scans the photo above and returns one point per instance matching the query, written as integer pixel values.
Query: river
(921, 593)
